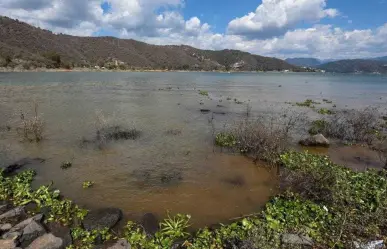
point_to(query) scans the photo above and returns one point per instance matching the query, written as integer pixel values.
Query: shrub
(324, 111)
(318, 126)
(31, 129)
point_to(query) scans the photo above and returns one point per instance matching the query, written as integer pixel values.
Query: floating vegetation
(204, 93)
(325, 111)
(66, 165)
(307, 103)
(327, 101)
(87, 184)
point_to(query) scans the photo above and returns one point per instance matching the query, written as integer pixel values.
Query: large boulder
(62, 232)
(150, 224)
(8, 244)
(18, 211)
(316, 140)
(47, 241)
(32, 231)
(102, 218)
(26, 222)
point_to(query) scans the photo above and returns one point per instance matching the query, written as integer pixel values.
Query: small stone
(19, 164)
(102, 218)
(47, 241)
(12, 213)
(290, 238)
(8, 244)
(11, 235)
(5, 227)
(32, 231)
(26, 222)
(121, 244)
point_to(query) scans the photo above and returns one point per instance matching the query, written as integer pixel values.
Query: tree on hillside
(55, 58)
(8, 60)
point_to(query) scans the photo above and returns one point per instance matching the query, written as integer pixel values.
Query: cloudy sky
(282, 28)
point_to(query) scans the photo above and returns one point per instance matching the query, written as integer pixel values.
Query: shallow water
(160, 172)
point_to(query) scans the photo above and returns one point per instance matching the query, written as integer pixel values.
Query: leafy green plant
(224, 139)
(87, 184)
(84, 239)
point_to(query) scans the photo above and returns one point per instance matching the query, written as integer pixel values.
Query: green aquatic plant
(87, 184)
(66, 165)
(327, 101)
(307, 103)
(204, 93)
(84, 239)
(224, 139)
(325, 111)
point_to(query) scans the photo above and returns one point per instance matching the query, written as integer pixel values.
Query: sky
(324, 29)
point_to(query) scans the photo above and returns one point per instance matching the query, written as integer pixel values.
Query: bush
(307, 103)
(204, 93)
(31, 129)
(318, 126)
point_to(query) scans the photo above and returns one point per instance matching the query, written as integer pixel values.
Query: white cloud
(268, 31)
(275, 17)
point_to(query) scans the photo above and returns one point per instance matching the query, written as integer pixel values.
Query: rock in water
(18, 164)
(47, 241)
(316, 140)
(150, 224)
(121, 244)
(102, 218)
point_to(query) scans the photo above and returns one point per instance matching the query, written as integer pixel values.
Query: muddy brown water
(173, 167)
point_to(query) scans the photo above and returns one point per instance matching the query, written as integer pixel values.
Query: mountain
(355, 66)
(25, 46)
(304, 62)
(381, 59)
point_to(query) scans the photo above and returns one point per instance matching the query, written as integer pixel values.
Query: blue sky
(279, 28)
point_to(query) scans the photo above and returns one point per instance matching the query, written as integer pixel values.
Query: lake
(173, 166)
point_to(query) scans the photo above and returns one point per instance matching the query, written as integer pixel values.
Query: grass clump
(307, 103)
(325, 111)
(85, 239)
(203, 93)
(31, 129)
(87, 184)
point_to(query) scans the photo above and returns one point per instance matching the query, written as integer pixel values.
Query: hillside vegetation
(355, 66)
(26, 47)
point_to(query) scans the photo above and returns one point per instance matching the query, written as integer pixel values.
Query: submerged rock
(121, 244)
(296, 239)
(102, 218)
(150, 224)
(21, 163)
(316, 140)
(47, 241)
